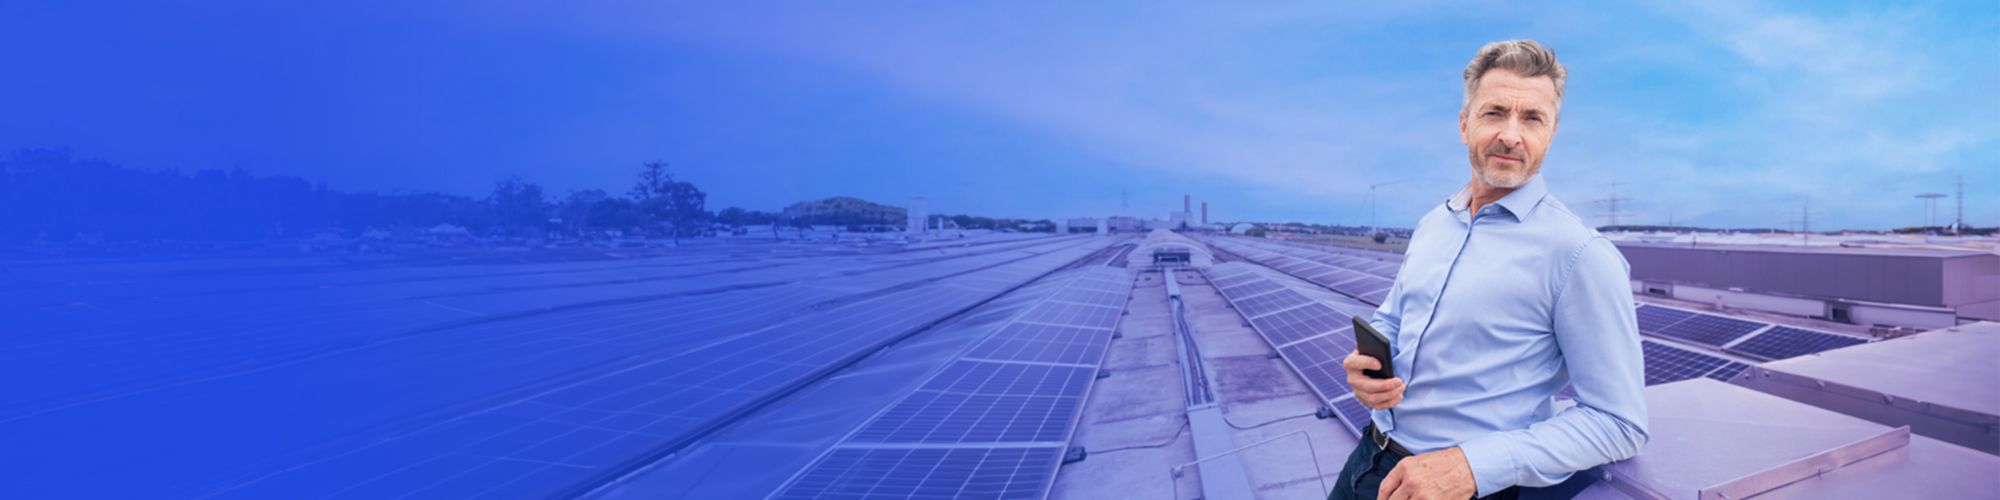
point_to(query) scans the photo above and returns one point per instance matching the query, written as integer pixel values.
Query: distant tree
(575, 208)
(685, 209)
(735, 216)
(518, 204)
(680, 205)
(618, 213)
(654, 180)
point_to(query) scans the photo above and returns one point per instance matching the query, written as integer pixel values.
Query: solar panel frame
(1666, 364)
(1728, 371)
(952, 418)
(1782, 342)
(1355, 415)
(1089, 296)
(965, 472)
(1232, 280)
(1252, 288)
(1071, 313)
(1710, 330)
(1653, 318)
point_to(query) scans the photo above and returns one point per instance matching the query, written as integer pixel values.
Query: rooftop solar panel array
(992, 424)
(1368, 280)
(1757, 340)
(579, 430)
(1350, 272)
(1311, 337)
(963, 472)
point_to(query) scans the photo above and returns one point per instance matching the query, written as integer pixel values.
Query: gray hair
(1522, 57)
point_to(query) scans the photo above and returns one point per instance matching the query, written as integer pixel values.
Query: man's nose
(1510, 135)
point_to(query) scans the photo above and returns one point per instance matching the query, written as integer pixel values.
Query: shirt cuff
(1491, 458)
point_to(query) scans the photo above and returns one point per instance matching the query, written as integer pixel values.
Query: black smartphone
(1372, 344)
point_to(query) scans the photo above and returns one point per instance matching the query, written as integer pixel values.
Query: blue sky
(1712, 113)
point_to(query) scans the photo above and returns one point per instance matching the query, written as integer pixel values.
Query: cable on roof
(1232, 425)
(1182, 429)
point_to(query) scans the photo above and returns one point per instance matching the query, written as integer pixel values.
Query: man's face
(1508, 127)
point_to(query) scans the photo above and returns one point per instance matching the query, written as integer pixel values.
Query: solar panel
(1786, 342)
(1251, 288)
(1070, 313)
(1666, 363)
(1652, 319)
(1364, 286)
(1292, 325)
(938, 441)
(1317, 360)
(1728, 371)
(1043, 343)
(980, 377)
(1321, 273)
(1709, 329)
(1241, 277)
(1092, 297)
(1271, 302)
(927, 473)
(1352, 413)
(938, 417)
(1354, 280)
(1101, 285)
(1295, 265)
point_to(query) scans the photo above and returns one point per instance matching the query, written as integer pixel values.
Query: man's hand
(1377, 393)
(1442, 474)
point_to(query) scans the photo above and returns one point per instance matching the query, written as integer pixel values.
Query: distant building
(1125, 224)
(1177, 221)
(1920, 288)
(920, 214)
(450, 235)
(1083, 223)
(1242, 228)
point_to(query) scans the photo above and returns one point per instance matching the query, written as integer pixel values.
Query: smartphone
(1373, 344)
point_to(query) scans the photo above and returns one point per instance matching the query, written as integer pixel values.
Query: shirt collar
(1521, 202)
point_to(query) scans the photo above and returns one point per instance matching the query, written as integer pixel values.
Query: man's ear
(1462, 139)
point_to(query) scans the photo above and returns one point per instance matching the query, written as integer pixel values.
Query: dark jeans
(1367, 466)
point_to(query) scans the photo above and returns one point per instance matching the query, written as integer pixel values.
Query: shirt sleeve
(1388, 317)
(1596, 329)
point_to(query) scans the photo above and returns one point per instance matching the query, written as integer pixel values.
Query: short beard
(1502, 180)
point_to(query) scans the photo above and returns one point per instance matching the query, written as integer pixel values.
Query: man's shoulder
(1563, 227)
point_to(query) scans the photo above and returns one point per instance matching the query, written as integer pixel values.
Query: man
(1505, 296)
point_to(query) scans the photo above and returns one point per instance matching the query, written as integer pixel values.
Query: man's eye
(1535, 119)
(1492, 113)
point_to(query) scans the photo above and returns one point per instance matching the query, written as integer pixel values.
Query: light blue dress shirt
(1492, 314)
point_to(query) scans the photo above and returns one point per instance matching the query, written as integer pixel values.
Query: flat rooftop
(993, 366)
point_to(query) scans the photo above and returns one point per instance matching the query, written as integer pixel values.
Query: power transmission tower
(1372, 227)
(1804, 220)
(1958, 227)
(1610, 203)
